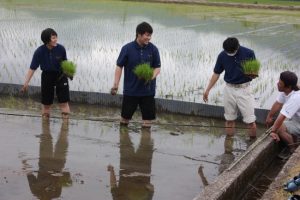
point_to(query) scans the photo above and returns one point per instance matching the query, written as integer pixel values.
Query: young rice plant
(68, 68)
(251, 67)
(143, 71)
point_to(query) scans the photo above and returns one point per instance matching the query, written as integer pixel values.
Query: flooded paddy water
(53, 159)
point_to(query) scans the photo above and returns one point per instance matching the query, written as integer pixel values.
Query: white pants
(239, 97)
(293, 126)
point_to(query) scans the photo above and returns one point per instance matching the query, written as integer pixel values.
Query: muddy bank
(224, 4)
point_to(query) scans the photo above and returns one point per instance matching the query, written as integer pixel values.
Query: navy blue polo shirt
(232, 65)
(48, 60)
(131, 55)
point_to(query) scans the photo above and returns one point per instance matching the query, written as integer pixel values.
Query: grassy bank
(255, 4)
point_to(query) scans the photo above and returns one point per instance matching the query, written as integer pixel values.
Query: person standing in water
(237, 92)
(136, 92)
(49, 57)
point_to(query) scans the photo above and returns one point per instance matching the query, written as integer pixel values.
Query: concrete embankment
(163, 105)
(232, 183)
(290, 169)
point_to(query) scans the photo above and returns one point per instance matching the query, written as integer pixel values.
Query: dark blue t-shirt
(132, 55)
(232, 65)
(48, 60)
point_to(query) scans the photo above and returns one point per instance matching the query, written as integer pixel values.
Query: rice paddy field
(189, 39)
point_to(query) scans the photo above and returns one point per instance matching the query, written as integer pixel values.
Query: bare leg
(124, 121)
(286, 137)
(230, 128)
(46, 111)
(65, 110)
(146, 123)
(252, 130)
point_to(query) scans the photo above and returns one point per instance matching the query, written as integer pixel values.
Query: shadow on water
(47, 182)
(135, 168)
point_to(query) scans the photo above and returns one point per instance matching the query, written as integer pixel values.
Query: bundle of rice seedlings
(251, 67)
(143, 71)
(68, 68)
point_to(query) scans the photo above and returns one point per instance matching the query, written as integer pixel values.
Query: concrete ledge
(231, 183)
(289, 170)
(105, 99)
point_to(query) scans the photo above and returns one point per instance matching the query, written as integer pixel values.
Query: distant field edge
(247, 4)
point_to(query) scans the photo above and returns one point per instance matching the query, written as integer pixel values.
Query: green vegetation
(68, 68)
(266, 2)
(251, 67)
(143, 71)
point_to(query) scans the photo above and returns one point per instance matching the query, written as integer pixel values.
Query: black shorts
(146, 104)
(53, 81)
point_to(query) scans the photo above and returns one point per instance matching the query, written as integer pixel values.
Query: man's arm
(212, 82)
(156, 71)
(275, 109)
(277, 124)
(118, 74)
(27, 80)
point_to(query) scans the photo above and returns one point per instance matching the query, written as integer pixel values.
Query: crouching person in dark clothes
(287, 125)
(136, 92)
(49, 57)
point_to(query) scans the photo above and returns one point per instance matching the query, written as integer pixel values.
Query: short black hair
(231, 44)
(46, 35)
(289, 79)
(143, 28)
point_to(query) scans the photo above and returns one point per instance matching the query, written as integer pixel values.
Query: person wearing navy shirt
(237, 91)
(48, 57)
(135, 91)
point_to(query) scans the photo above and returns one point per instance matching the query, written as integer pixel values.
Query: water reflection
(227, 157)
(202, 176)
(50, 177)
(135, 168)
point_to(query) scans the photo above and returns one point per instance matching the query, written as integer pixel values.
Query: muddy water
(98, 159)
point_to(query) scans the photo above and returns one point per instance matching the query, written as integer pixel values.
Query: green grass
(251, 66)
(143, 71)
(68, 68)
(265, 2)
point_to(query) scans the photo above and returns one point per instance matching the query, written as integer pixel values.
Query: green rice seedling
(68, 68)
(143, 71)
(251, 67)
